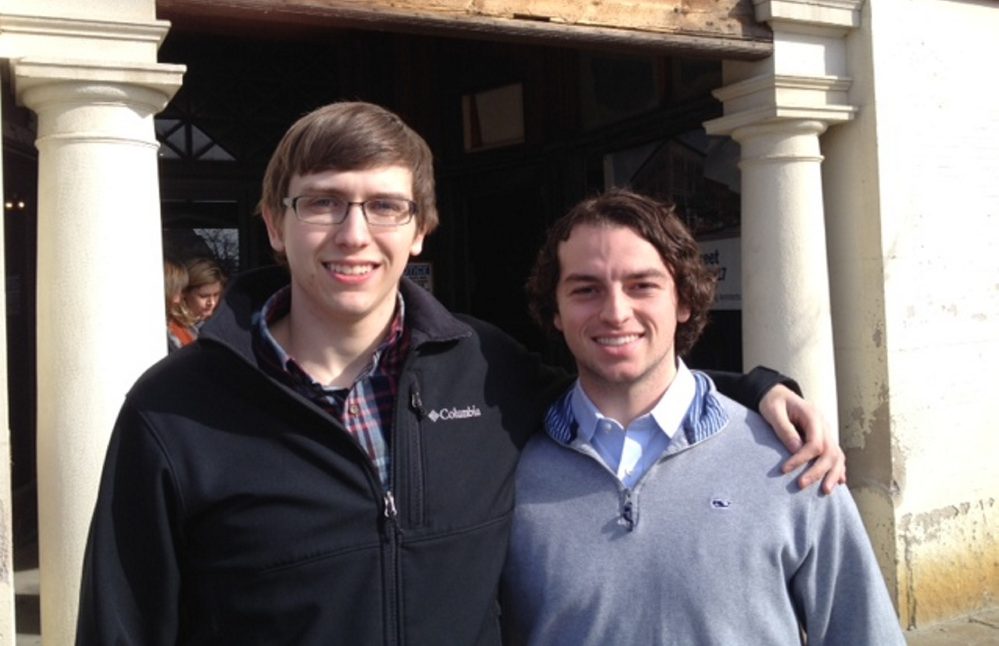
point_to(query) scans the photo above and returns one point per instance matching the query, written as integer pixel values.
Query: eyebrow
(321, 189)
(641, 274)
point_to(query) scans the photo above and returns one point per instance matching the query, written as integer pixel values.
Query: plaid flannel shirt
(366, 408)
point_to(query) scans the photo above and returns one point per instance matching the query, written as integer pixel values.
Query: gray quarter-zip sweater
(713, 546)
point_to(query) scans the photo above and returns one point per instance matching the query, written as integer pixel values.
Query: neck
(626, 402)
(332, 351)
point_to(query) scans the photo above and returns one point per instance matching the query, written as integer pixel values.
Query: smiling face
(617, 308)
(346, 273)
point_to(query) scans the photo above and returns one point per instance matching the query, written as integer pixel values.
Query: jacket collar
(427, 319)
(232, 325)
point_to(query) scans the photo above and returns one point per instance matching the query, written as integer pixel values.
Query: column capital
(39, 81)
(774, 98)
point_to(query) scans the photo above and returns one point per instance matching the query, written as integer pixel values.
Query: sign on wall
(724, 258)
(421, 273)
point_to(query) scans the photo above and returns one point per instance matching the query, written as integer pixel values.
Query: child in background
(204, 287)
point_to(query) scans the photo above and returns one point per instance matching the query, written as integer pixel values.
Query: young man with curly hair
(652, 509)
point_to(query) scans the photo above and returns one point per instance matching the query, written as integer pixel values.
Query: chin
(615, 377)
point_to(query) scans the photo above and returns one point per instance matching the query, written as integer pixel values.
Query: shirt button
(354, 409)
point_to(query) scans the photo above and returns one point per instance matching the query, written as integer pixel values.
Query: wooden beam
(715, 28)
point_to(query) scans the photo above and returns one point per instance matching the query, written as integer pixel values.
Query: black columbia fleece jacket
(233, 511)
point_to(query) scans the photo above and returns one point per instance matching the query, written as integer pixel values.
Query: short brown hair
(655, 222)
(351, 136)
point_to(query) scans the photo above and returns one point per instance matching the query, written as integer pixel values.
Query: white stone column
(100, 287)
(786, 318)
(777, 109)
(7, 631)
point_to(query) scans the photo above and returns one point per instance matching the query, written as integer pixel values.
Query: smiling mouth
(349, 270)
(617, 340)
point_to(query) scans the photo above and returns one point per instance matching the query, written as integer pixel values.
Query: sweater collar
(704, 417)
(667, 415)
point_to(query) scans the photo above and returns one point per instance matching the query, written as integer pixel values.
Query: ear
(417, 246)
(557, 322)
(275, 232)
(682, 313)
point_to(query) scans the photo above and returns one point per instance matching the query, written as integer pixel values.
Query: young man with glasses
(332, 461)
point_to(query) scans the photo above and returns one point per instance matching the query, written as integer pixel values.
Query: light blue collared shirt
(630, 452)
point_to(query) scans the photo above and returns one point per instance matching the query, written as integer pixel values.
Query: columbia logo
(454, 413)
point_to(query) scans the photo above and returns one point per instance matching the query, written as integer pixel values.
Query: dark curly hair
(654, 221)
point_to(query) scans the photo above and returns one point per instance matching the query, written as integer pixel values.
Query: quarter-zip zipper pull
(627, 518)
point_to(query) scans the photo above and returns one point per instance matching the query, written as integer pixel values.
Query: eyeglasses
(329, 210)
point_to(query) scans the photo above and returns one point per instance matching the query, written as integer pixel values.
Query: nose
(616, 307)
(353, 231)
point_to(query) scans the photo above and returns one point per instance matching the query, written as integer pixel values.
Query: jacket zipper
(415, 481)
(393, 593)
(407, 480)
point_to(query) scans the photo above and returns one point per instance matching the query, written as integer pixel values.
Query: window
(182, 140)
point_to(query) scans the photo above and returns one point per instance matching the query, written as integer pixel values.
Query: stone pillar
(7, 631)
(777, 109)
(100, 287)
(786, 318)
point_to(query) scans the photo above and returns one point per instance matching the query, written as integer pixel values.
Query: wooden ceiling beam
(715, 28)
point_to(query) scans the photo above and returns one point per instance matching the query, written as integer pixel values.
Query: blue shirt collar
(667, 415)
(704, 417)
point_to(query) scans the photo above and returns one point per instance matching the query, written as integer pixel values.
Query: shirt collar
(667, 415)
